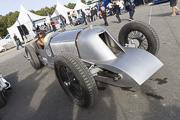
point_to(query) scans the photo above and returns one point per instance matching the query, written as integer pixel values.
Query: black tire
(32, 57)
(76, 80)
(35, 47)
(2, 99)
(146, 35)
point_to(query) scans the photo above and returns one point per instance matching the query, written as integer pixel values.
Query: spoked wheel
(138, 34)
(137, 39)
(76, 80)
(71, 83)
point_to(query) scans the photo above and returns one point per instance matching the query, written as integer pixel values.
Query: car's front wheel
(76, 80)
(139, 35)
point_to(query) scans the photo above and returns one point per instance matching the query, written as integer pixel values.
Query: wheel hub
(133, 43)
(71, 83)
(137, 39)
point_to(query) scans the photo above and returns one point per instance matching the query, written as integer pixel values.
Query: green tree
(42, 11)
(7, 21)
(52, 10)
(89, 2)
(83, 1)
(3, 26)
(11, 18)
(1, 16)
(32, 11)
(71, 5)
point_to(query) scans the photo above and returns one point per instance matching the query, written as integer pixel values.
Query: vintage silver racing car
(83, 56)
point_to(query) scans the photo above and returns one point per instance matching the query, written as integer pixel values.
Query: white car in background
(6, 43)
(2, 49)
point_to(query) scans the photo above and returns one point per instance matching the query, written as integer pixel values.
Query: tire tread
(37, 63)
(85, 74)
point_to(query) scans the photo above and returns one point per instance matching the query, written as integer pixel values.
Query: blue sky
(7, 6)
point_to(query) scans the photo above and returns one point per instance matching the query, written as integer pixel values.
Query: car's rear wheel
(76, 80)
(2, 99)
(32, 57)
(139, 35)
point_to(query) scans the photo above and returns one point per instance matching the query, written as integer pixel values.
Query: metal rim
(137, 39)
(70, 83)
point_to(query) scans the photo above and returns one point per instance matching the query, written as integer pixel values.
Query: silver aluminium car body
(96, 47)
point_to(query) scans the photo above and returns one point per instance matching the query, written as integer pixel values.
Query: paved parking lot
(37, 95)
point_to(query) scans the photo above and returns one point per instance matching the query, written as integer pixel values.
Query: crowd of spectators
(115, 7)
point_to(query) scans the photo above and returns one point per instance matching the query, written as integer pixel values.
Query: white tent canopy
(92, 5)
(61, 10)
(80, 5)
(24, 19)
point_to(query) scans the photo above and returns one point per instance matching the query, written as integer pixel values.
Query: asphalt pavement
(37, 95)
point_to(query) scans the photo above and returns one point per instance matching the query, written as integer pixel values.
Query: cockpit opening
(108, 40)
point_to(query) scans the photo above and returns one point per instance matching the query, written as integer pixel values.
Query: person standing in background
(96, 12)
(117, 10)
(53, 25)
(61, 23)
(34, 30)
(121, 6)
(102, 12)
(17, 41)
(74, 15)
(79, 17)
(130, 6)
(64, 20)
(37, 28)
(110, 8)
(84, 17)
(70, 19)
(88, 14)
(92, 14)
(173, 4)
(49, 26)
(45, 26)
